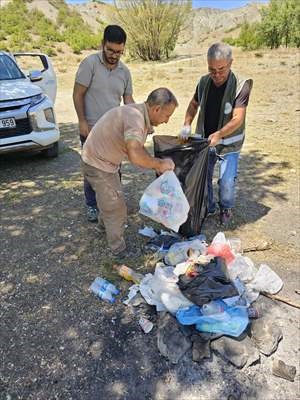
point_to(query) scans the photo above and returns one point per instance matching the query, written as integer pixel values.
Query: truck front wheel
(52, 151)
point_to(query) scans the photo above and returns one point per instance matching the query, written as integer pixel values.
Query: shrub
(153, 26)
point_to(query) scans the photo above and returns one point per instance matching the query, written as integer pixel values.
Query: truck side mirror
(35, 76)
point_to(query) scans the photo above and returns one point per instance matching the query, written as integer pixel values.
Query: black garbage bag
(191, 164)
(212, 283)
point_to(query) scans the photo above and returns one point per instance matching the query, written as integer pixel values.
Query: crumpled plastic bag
(162, 291)
(178, 252)
(221, 248)
(243, 268)
(212, 283)
(266, 280)
(164, 201)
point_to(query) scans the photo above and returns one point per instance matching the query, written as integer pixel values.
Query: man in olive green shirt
(121, 133)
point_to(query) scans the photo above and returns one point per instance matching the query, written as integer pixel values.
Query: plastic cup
(145, 324)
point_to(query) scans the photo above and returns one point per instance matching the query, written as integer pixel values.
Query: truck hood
(17, 89)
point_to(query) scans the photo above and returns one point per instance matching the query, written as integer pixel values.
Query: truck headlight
(36, 99)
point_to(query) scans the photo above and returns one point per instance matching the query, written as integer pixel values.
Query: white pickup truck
(27, 118)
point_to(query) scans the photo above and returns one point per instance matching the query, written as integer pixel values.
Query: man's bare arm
(79, 92)
(139, 156)
(191, 112)
(128, 99)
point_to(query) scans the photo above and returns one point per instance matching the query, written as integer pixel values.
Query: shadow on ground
(57, 340)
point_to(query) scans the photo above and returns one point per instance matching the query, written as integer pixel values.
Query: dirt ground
(60, 342)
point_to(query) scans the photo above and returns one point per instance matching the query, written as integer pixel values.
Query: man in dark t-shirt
(222, 97)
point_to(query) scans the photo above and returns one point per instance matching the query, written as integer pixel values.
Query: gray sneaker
(226, 216)
(92, 214)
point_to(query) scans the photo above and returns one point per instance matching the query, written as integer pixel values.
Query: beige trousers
(110, 202)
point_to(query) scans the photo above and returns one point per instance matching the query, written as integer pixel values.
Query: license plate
(7, 123)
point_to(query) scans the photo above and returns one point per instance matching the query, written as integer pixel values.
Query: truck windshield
(9, 69)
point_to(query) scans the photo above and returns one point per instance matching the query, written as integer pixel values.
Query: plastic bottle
(103, 292)
(213, 307)
(128, 273)
(107, 285)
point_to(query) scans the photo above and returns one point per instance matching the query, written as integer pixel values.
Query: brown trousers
(110, 202)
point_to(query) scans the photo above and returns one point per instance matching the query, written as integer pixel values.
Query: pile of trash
(205, 298)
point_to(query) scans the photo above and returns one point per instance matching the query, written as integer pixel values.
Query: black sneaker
(92, 214)
(211, 213)
(226, 216)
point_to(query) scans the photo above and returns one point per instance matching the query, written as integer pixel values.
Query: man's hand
(185, 132)
(84, 129)
(214, 138)
(165, 164)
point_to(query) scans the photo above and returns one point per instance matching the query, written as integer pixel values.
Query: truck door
(29, 62)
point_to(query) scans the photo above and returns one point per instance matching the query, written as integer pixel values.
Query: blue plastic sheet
(232, 321)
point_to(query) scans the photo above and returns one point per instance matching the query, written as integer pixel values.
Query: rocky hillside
(207, 23)
(202, 25)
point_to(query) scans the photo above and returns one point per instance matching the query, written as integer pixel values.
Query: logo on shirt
(227, 108)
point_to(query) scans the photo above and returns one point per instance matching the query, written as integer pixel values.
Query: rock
(205, 336)
(265, 336)
(279, 368)
(171, 342)
(201, 348)
(237, 352)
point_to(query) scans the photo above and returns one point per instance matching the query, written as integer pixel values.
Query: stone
(240, 353)
(201, 348)
(265, 336)
(171, 342)
(282, 370)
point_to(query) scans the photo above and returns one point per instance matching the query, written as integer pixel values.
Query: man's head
(113, 43)
(219, 60)
(161, 104)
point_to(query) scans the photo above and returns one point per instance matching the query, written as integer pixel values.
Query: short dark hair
(114, 34)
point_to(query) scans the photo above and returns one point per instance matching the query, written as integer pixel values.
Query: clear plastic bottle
(102, 288)
(213, 307)
(107, 285)
(103, 292)
(106, 295)
(128, 273)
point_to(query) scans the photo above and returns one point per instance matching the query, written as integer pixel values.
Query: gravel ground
(57, 341)
(60, 342)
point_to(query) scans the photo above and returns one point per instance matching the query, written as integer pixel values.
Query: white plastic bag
(242, 267)
(164, 201)
(266, 280)
(178, 252)
(161, 290)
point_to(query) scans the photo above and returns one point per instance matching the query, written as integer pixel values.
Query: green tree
(250, 38)
(271, 24)
(152, 26)
(291, 22)
(280, 25)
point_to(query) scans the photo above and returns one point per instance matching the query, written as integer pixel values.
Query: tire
(52, 151)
